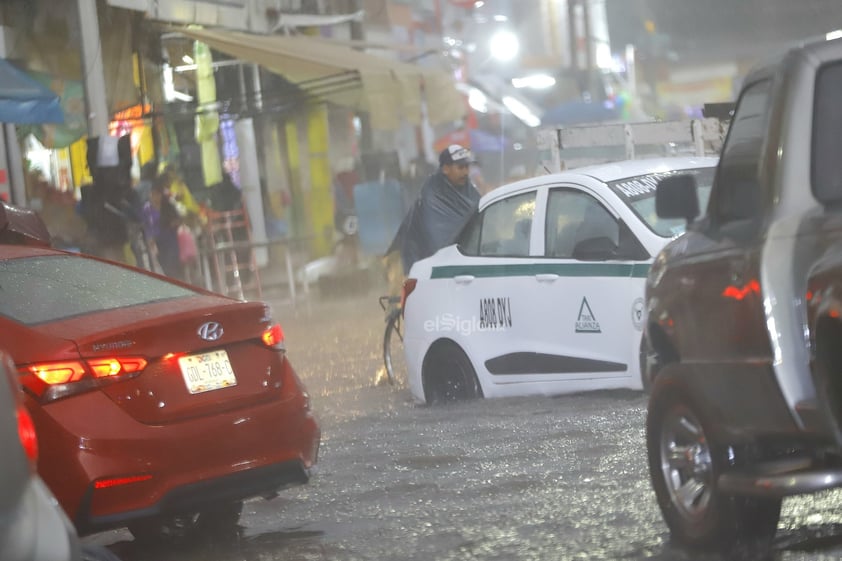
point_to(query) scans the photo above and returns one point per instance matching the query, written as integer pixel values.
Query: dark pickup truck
(744, 323)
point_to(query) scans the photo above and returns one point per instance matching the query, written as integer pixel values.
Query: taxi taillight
(53, 380)
(26, 433)
(406, 290)
(273, 337)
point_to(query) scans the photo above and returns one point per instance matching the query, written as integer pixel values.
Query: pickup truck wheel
(448, 375)
(684, 465)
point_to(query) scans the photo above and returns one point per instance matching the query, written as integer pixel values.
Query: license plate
(206, 372)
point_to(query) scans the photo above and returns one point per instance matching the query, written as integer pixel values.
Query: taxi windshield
(639, 194)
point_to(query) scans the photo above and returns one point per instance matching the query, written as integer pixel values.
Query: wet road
(538, 478)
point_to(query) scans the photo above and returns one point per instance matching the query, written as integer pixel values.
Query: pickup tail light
(273, 337)
(26, 433)
(53, 380)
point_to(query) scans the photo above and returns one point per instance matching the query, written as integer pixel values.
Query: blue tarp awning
(24, 101)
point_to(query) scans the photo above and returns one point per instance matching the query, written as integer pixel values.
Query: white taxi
(542, 291)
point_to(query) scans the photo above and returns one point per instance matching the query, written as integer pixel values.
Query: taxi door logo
(587, 323)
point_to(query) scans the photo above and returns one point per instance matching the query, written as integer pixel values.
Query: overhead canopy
(25, 101)
(387, 89)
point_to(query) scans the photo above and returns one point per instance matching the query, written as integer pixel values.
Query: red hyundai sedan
(158, 406)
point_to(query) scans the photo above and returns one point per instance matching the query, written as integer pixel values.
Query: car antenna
(546, 169)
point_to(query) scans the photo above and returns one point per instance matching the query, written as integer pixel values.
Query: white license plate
(206, 372)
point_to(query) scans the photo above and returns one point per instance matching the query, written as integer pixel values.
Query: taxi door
(588, 303)
(490, 282)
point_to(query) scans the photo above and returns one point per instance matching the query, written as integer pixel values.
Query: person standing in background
(160, 224)
(181, 196)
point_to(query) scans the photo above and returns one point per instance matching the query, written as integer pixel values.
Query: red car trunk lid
(204, 354)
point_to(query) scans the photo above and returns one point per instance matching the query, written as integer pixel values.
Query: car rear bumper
(262, 448)
(264, 481)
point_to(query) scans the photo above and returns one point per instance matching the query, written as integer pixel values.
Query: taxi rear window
(41, 289)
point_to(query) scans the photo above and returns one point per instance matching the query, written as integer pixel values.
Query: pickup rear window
(827, 135)
(40, 289)
(739, 194)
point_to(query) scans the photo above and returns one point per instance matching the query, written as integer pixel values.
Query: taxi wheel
(218, 521)
(685, 463)
(448, 375)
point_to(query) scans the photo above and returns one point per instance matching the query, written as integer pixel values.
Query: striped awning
(388, 89)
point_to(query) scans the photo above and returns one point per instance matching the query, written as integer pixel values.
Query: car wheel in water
(217, 521)
(448, 375)
(685, 464)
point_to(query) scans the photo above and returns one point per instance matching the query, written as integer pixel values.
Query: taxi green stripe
(636, 270)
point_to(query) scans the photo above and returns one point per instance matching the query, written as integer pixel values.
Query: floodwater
(539, 478)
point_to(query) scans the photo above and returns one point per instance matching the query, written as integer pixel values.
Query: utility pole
(95, 102)
(358, 34)
(12, 182)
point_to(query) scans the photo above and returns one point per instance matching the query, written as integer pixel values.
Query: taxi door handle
(463, 279)
(546, 277)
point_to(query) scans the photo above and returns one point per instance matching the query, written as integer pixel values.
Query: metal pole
(96, 104)
(258, 94)
(13, 184)
(358, 34)
(15, 166)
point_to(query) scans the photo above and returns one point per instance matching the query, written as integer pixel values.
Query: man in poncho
(448, 199)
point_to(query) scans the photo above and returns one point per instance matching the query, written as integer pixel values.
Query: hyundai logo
(210, 331)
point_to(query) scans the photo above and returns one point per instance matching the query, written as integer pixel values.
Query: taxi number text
(206, 372)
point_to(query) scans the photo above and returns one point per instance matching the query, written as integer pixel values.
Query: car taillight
(273, 337)
(406, 290)
(58, 372)
(26, 433)
(102, 368)
(53, 380)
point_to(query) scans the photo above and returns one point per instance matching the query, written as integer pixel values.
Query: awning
(389, 90)
(25, 101)
(71, 95)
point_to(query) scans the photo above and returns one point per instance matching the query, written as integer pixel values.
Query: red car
(158, 406)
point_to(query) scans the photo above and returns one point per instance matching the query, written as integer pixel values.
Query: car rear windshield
(41, 289)
(639, 194)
